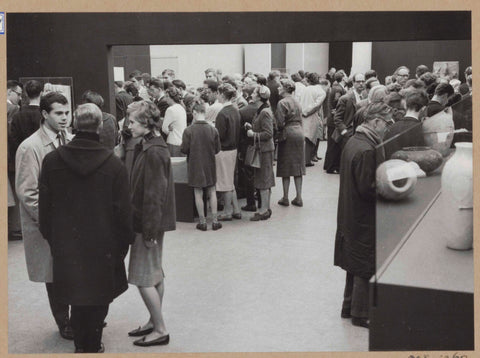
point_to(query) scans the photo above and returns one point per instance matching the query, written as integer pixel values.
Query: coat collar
(154, 142)
(47, 140)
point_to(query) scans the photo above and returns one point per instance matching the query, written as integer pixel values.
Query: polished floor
(267, 286)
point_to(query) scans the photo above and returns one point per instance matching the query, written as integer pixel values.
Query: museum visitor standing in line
(153, 199)
(291, 143)
(261, 130)
(175, 122)
(201, 142)
(355, 237)
(228, 126)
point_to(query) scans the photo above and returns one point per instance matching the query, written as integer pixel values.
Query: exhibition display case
(422, 295)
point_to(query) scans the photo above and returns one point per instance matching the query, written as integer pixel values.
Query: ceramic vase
(438, 131)
(395, 179)
(427, 159)
(457, 198)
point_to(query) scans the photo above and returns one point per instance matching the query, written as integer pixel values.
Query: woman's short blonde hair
(145, 113)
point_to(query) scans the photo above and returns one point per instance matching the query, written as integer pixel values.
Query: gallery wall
(77, 45)
(387, 56)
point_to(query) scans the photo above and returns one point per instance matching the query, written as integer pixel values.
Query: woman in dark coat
(262, 132)
(355, 237)
(153, 199)
(291, 143)
(200, 142)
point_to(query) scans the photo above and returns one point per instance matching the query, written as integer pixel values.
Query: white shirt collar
(51, 134)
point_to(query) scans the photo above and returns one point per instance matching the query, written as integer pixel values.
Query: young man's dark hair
(227, 90)
(90, 96)
(51, 98)
(420, 70)
(179, 84)
(370, 74)
(296, 77)
(444, 88)
(261, 80)
(428, 78)
(33, 88)
(416, 100)
(12, 84)
(418, 84)
(211, 85)
(313, 78)
(137, 74)
(131, 89)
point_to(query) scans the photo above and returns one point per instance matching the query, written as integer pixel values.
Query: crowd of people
(88, 192)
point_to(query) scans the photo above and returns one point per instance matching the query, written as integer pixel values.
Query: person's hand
(247, 126)
(170, 127)
(250, 133)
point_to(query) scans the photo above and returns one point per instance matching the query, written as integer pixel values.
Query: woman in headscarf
(291, 146)
(261, 130)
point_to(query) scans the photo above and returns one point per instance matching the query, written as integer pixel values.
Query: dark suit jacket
(122, 100)
(343, 117)
(433, 107)
(335, 93)
(23, 125)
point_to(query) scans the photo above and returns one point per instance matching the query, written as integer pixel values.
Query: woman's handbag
(252, 156)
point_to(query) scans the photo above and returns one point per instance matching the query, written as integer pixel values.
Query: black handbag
(252, 156)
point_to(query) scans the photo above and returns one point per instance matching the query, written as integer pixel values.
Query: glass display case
(421, 297)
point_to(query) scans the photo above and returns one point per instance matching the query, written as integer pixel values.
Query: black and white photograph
(250, 181)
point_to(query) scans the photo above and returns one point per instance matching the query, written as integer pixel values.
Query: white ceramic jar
(457, 198)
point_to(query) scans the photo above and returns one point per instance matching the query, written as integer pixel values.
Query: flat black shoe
(140, 332)
(161, 341)
(309, 164)
(249, 208)
(66, 332)
(360, 322)
(216, 226)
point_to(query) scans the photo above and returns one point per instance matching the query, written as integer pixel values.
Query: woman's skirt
(263, 176)
(291, 153)
(225, 166)
(145, 266)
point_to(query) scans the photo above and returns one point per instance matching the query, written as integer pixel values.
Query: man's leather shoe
(360, 322)
(346, 313)
(216, 226)
(66, 331)
(309, 164)
(100, 350)
(161, 341)
(237, 216)
(249, 208)
(140, 332)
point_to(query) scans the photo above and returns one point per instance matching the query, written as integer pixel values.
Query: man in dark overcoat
(85, 215)
(355, 237)
(332, 156)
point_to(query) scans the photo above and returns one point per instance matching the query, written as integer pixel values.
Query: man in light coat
(51, 134)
